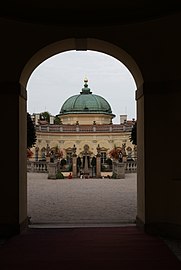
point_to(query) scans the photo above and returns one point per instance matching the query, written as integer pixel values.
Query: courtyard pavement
(81, 202)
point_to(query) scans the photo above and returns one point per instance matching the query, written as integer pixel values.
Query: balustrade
(37, 166)
(131, 167)
(41, 166)
(116, 128)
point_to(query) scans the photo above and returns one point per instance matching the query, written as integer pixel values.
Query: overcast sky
(62, 76)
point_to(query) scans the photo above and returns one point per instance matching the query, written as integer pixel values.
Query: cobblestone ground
(81, 201)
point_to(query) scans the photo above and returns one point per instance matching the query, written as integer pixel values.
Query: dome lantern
(85, 89)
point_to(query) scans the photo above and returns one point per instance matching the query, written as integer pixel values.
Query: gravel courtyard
(73, 202)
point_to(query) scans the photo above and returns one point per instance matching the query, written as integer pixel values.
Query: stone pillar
(13, 159)
(159, 189)
(98, 166)
(74, 162)
(140, 157)
(74, 166)
(52, 170)
(86, 154)
(119, 169)
(98, 162)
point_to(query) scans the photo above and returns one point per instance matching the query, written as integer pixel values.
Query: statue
(74, 151)
(98, 150)
(123, 149)
(48, 150)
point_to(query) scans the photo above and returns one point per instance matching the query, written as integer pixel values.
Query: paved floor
(81, 202)
(113, 248)
(85, 203)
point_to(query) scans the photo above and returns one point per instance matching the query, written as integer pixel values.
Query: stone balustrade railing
(41, 166)
(131, 167)
(84, 128)
(37, 166)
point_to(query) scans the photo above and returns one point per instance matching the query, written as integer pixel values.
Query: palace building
(85, 123)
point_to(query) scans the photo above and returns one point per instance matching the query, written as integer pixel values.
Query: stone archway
(153, 43)
(112, 50)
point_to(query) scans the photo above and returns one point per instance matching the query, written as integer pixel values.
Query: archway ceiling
(90, 12)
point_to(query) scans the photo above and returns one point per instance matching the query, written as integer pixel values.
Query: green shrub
(59, 175)
(114, 175)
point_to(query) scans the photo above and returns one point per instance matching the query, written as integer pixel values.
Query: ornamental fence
(37, 166)
(131, 167)
(115, 128)
(41, 166)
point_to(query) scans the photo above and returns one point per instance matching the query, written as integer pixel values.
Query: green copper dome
(86, 102)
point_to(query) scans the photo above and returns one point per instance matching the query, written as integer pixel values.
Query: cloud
(62, 75)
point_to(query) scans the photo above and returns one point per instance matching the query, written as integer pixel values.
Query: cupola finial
(85, 89)
(85, 82)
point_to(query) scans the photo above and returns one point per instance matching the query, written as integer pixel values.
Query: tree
(31, 132)
(57, 120)
(45, 116)
(133, 137)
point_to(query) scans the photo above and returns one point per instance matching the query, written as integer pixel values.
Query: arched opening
(100, 46)
(99, 205)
